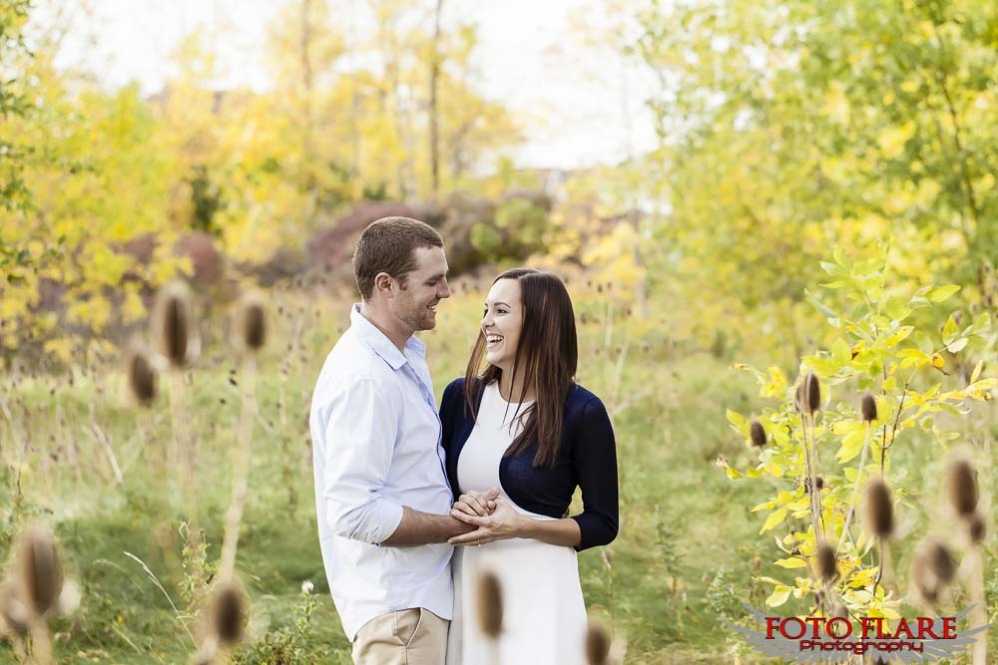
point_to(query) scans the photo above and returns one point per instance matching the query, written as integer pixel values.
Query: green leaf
(852, 445)
(737, 420)
(896, 309)
(941, 293)
(957, 346)
(949, 330)
(899, 336)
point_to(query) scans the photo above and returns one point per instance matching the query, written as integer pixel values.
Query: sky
(578, 97)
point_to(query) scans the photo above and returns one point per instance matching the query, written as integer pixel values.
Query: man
(381, 490)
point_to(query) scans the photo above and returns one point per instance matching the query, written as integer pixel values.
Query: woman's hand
(504, 522)
(476, 504)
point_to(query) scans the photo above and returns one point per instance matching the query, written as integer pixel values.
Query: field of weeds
(140, 495)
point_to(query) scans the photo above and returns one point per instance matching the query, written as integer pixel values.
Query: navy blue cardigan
(587, 458)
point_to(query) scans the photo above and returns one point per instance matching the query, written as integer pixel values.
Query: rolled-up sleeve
(361, 423)
(595, 457)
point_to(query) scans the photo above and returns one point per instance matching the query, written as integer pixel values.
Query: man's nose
(444, 291)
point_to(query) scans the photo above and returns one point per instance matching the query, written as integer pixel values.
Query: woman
(524, 426)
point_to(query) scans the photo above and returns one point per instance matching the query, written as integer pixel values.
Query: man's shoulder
(351, 362)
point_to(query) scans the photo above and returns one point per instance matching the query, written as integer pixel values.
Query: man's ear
(384, 283)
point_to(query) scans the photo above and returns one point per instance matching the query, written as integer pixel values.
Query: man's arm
(360, 432)
(419, 528)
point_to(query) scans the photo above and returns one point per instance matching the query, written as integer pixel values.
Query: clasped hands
(495, 518)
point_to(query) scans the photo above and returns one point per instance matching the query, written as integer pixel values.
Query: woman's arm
(506, 522)
(595, 457)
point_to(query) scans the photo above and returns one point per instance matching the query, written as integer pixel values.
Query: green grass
(683, 564)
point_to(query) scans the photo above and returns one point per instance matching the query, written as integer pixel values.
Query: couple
(401, 489)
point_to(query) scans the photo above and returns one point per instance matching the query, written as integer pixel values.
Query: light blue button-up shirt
(376, 447)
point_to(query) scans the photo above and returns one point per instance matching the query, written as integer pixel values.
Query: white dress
(544, 614)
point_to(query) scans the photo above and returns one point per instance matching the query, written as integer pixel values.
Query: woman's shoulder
(579, 397)
(454, 392)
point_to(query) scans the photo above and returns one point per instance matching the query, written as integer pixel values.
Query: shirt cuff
(390, 518)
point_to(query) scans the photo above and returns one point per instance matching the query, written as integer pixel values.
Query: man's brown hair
(389, 245)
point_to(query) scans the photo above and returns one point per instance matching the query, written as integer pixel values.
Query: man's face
(416, 303)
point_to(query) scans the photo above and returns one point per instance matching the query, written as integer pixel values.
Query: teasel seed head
(174, 328)
(808, 399)
(932, 568)
(869, 408)
(597, 644)
(978, 529)
(961, 480)
(941, 562)
(143, 382)
(252, 323)
(826, 561)
(228, 613)
(489, 598)
(879, 509)
(39, 569)
(757, 433)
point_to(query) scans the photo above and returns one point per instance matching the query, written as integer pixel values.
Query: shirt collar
(380, 343)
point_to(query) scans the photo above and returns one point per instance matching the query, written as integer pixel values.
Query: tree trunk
(434, 109)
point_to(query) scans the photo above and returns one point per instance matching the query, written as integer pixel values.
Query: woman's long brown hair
(547, 354)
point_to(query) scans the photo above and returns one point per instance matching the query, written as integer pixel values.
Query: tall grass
(687, 556)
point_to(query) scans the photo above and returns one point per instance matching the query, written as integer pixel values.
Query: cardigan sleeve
(450, 409)
(595, 457)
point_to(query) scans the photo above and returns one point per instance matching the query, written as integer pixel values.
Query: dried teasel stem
(869, 411)
(977, 530)
(240, 479)
(808, 402)
(15, 617)
(880, 524)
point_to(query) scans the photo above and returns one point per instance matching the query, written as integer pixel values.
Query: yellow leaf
(937, 361)
(792, 562)
(775, 519)
(779, 596)
(977, 371)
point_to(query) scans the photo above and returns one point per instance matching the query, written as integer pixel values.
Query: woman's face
(502, 323)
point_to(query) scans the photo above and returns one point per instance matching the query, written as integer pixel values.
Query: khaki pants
(415, 636)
